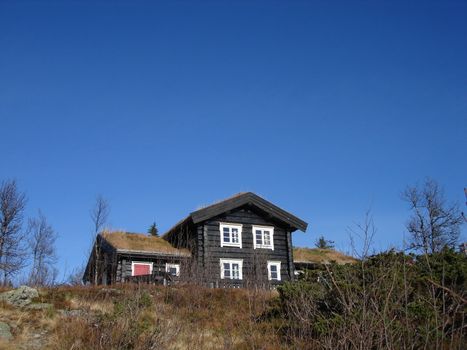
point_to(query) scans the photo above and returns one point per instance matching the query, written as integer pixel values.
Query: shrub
(389, 300)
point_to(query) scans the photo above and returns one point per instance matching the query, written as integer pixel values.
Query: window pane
(226, 235)
(173, 271)
(235, 271)
(226, 270)
(267, 238)
(234, 235)
(259, 239)
(274, 275)
(273, 268)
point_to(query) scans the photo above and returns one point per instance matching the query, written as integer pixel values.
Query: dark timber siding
(254, 260)
(124, 262)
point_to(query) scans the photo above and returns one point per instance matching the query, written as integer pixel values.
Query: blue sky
(323, 107)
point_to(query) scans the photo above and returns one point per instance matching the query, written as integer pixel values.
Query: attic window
(231, 269)
(231, 235)
(263, 237)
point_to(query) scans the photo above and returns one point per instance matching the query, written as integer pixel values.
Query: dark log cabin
(126, 257)
(238, 242)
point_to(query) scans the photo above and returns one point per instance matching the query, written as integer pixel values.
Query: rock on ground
(5, 331)
(20, 297)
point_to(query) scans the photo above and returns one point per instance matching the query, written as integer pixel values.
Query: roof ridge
(239, 194)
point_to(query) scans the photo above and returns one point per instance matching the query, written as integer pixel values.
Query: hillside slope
(141, 317)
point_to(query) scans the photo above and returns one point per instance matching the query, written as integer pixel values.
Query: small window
(173, 269)
(141, 268)
(274, 270)
(263, 237)
(231, 235)
(231, 269)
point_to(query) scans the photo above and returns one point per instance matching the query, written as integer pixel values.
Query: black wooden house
(241, 241)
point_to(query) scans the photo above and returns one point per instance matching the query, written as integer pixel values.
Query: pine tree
(153, 231)
(323, 243)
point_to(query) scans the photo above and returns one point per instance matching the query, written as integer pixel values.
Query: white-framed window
(139, 268)
(231, 235)
(172, 269)
(274, 270)
(231, 269)
(263, 237)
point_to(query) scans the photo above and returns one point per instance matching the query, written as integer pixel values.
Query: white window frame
(278, 265)
(232, 261)
(262, 229)
(176, 266)
(239, 227)
(133, 263)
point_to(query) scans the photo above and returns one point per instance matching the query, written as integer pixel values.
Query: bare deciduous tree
(434, 223)
(12, 252)
(365, 233)
(99, 215)
(41, 240)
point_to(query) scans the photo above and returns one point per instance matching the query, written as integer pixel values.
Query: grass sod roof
(320, 256)
(141, 243)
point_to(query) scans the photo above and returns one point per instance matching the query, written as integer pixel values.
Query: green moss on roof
(321, 256)
(141, 243)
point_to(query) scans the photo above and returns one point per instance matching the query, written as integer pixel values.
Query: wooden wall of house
(254, 260)
(105, 261)
(123, 267)
(185, 237)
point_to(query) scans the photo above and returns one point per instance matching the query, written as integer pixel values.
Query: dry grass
(141, 242)
(321, 256)
(147, 317)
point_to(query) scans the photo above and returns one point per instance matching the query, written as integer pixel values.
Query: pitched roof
(125, 242)
(320, 256)
(239, 200)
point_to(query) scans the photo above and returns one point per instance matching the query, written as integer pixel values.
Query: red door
(141, 269)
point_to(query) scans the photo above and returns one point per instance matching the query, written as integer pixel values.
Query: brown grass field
(145, 317)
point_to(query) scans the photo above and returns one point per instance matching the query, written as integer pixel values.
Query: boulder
(19, 297)
(5, 331)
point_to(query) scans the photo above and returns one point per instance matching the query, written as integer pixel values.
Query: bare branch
(12, 250)
(41, 242)
(100, 213)
(434, 224)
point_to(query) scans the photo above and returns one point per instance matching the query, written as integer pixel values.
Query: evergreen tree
(153, 231)
(323, 243)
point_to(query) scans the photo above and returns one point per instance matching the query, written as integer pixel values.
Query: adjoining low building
(123, 256)
(312, 258)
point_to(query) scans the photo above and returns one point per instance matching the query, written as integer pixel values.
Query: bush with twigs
(389, 300)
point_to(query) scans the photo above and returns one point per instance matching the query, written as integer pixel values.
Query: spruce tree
(153, 231)
(323, 243)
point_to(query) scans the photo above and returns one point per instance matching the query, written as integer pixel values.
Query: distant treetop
(153, 231)
(323, 243)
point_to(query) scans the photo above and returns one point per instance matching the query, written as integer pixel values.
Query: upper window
(173, 269)
(231, 235)
(274, 270)
(231, 269)
(263, 237)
